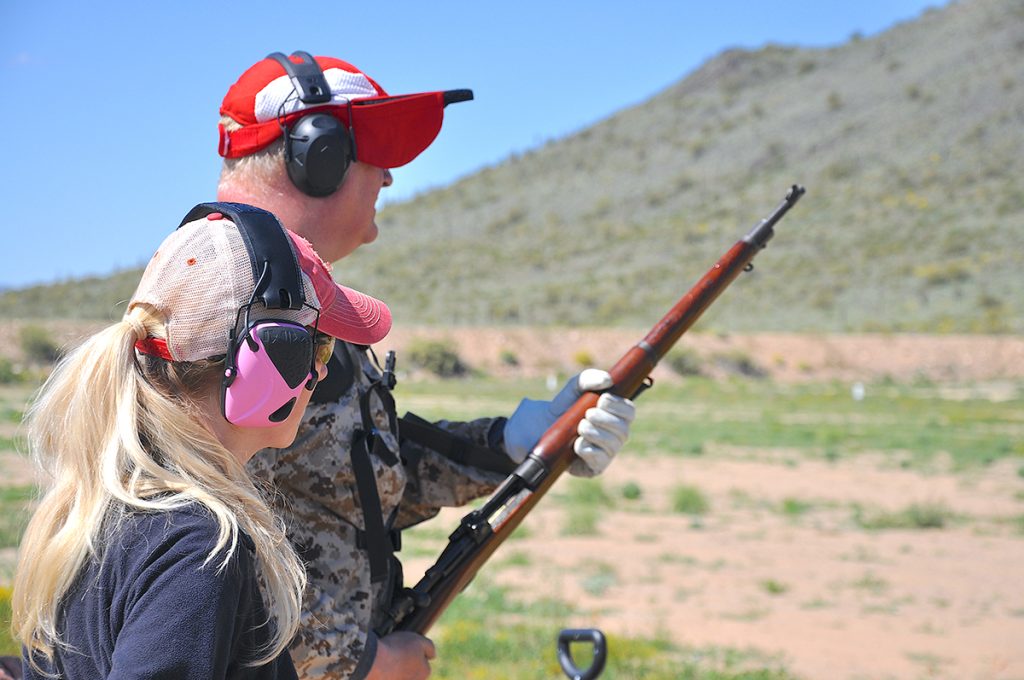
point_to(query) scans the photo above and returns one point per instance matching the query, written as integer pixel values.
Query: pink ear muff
(272, 363)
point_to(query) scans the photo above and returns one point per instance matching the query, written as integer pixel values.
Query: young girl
(142, 557)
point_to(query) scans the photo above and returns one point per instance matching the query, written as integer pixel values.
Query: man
(312, 141)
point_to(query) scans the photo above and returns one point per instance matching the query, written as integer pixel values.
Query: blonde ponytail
(114, 432)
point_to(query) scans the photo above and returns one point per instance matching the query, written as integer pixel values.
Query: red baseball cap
(389, 131)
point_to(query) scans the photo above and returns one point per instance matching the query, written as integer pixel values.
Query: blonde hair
(264, 167)
(115, 433)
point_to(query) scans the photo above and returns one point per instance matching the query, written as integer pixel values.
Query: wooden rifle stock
(483, 530)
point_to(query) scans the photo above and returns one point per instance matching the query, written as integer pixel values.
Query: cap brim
(355, 317)
(392, 131)
(345, 313)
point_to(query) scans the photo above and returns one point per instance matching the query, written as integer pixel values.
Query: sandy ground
(830, 599)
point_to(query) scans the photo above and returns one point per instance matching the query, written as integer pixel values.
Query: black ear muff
(318, 152)
(318, 148)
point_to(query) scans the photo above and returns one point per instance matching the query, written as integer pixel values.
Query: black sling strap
(378, 542)
(377, 538)
(415, 429)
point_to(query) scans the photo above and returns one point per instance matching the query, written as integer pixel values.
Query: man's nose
(388, 179)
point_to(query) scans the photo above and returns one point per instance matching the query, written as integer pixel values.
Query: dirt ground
(830, 599)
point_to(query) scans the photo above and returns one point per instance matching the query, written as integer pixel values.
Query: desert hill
(909, 143)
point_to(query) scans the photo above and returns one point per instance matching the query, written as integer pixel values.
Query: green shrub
(794, 507)
(583, 358)
(773, 587)
(740, 363)
(806, 66)
(695, 449)
(689, 500)
(928, 515)
(915, 516)
(437, 356)
(508, 358)
(11, 373)
(685, 362)
(942, 273)
(38, 345)
(631, 491)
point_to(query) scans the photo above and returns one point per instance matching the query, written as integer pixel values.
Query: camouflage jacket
(318, 496)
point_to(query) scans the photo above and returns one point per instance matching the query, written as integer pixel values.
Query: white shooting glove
(603, 431)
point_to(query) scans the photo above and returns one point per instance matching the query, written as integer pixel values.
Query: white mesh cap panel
(344, 86)
(198, 279)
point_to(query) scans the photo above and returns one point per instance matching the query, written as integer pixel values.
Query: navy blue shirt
(150, 609)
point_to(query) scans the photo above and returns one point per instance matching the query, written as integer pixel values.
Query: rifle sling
(413, 428)
(376, 538)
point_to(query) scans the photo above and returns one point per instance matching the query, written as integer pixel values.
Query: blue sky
(110, 108)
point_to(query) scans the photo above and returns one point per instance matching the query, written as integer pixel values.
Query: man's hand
(402, 655)
(602, 432)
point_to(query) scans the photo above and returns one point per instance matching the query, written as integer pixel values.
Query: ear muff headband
(271, 361)
(306, 76)
(318, 148)
(270, 252)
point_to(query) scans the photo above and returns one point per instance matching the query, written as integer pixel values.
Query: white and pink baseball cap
(389, 130)
(202, 274)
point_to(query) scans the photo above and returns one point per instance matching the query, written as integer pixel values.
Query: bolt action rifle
(481, 531)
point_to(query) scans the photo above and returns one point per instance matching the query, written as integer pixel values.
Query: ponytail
(115, 432)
